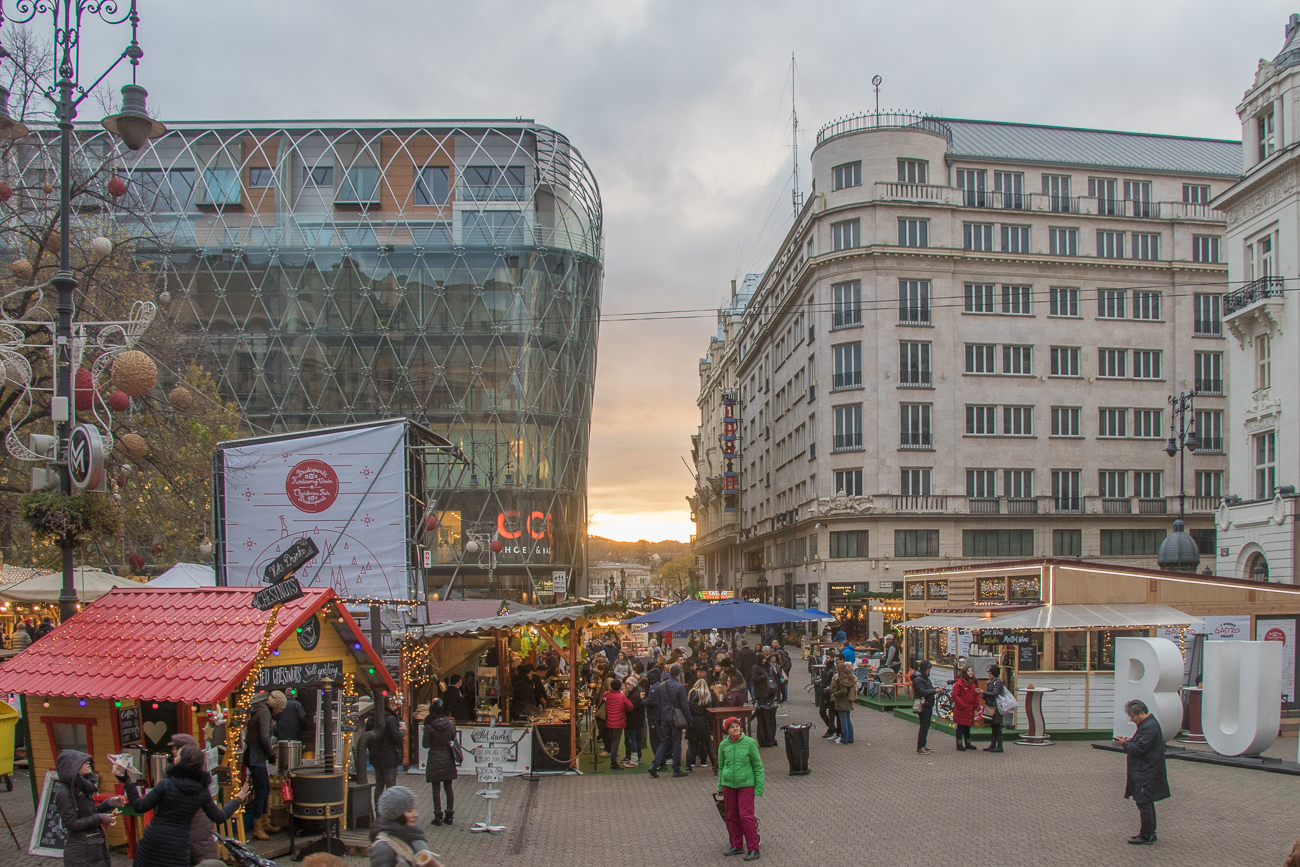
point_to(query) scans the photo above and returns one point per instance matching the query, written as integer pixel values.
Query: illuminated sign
(714, 595)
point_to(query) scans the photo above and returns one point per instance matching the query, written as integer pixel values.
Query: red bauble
(85, 389)
(116, 187)
(119, 402)
(431, 523)
(136, 560)
(6, 192)
(157, 549)
(497, 546)
(121, 480)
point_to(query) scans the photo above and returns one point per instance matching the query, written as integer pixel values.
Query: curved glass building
(447, 272)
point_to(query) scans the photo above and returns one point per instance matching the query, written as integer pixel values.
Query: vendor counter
(542, 746)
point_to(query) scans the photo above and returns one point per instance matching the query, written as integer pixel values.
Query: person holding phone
(83, 819)
(1147, 780)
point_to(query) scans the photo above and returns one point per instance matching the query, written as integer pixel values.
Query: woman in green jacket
(740, 779)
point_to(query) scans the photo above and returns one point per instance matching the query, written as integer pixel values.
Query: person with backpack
(923, 693)
(827, 707)
(674, 716)
(844, 692)
(782, 660)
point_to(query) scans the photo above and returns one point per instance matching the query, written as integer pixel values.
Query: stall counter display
(488, 684)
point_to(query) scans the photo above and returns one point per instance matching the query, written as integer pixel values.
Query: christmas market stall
(1052, 626)
(524, 693)
(139, 665)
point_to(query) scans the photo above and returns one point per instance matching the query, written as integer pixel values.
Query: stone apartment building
(964, 350)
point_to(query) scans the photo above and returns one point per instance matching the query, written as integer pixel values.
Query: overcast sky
(682, 109)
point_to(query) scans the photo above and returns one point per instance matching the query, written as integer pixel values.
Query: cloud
(682, 110)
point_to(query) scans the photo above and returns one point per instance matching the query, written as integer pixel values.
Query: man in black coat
(744, 662)
(386, 748)
(1147, 779)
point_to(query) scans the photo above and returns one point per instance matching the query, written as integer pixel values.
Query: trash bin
(796, 748)
(765, 730)
(8, 719)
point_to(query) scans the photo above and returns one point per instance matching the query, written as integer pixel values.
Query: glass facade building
(450, 273)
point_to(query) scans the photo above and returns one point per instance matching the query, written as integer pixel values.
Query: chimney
(733, 282)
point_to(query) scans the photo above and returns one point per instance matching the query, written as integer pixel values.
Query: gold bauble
(134, 445)
(123, 571)
(53, 241)
(134, 373)
(21, 268)
(180, 398)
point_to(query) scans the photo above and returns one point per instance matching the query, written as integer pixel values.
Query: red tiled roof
(193, 645)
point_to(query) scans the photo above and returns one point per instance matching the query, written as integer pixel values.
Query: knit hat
(276, 700)
(395, 801)
(726, 723)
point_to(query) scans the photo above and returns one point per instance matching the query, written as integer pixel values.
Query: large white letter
(1243, 696)
(1151, 671)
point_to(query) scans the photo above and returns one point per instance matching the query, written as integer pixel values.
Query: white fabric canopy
(186, 575)
(1055, 617)
(505, 621)
(949, 621)
(90, 583)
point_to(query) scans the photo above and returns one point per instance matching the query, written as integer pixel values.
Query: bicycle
(943, 705)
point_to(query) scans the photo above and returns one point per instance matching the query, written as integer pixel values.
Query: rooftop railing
(884, 120)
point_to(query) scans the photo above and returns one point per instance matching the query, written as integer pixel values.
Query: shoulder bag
(457, 754)
(679, 718)
(601, 711)
(918, 705)
(1007, 701)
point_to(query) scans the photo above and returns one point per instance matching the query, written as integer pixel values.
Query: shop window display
(1072, 651)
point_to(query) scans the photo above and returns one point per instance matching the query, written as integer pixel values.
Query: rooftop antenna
(877, 81)
(796, 196)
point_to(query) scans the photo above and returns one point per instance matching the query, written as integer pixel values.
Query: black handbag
(679, 718)
(717, 802)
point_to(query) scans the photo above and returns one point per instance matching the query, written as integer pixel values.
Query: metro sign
(86, 458)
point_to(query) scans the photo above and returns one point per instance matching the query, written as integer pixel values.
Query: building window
(1067, 543)
(1263, 361)
(1111, 303)
(1015, 239)
(1205, 248)
(980, 420)
(1146, 423)
(1196, 194)
(978, 237)
(848, 543)
(914, 426)
(1063, 242)
(1209, 430)
(260, 177)
(1146, 305)
(1011, 189)
(1018, 484)
(1015, 299)
(1057, 190)
(1209, 483)
(1064, 301)
(1065, 361)
(913, 233)
(1265, 464)
(972, 184)
(979, 358)
(848, 427)
(848, 482)
(1018, 421)
(1065, 421)
(914, 481)
(1066, 490)
(1112, 363)
(1112, 422)
(1138, 194)
(1131, 543)
(848, 175)
(914, 364)
(913, 171)
(916, 543)
(846, 235)
(1146, 484)
(997, 543)
(1261, 257)
(1146, 364)
(432, 186)
(318, 176)
(1017, 360)
(981, 484)
(914, 302)
(1265, 134)
(847, 300)
(1103, 190)
(1206, 320)
(1146, 246)
(1110, 245)
(1112, 484)
(847, 359)
(979, 298)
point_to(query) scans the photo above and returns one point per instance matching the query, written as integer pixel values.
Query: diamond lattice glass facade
(449, 273)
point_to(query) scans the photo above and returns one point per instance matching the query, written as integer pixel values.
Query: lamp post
(135, 128)
(1179, 552)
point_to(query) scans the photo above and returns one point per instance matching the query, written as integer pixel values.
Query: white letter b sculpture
(1151, 671)
(1243, 696)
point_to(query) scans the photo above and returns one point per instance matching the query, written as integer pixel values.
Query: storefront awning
(949, 621)
(1058, 617)
(505, 621)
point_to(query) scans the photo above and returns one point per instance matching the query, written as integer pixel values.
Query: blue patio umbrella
(668, 612)
(733, 614)
(821, 615)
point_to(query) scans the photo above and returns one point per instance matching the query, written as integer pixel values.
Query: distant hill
(600, 548)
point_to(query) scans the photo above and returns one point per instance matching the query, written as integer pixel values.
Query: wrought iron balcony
(846, 442)
(847, 379)
(1209, 386)
(1256, 290)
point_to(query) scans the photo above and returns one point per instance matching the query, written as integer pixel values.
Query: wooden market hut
(138, 665)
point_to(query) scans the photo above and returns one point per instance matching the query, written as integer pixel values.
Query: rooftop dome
(1179, 552)
(1290, 53)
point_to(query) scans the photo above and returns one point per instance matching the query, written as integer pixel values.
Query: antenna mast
(796, 196)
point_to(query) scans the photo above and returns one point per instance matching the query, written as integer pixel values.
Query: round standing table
(1037, 735)
(1195, 733)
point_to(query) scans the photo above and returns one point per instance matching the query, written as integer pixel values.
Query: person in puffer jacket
(82, 818)
(740, 780)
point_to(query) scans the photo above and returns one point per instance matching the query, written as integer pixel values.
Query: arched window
(1257, 568)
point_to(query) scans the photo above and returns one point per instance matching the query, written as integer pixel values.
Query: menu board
(1281, 629)
(48, 834)
(128, 725)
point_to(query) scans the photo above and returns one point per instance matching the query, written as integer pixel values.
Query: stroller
(241, 854)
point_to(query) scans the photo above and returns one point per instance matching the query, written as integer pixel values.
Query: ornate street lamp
(134, 126)
(1179, 551)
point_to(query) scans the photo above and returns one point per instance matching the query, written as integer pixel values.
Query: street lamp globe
(132, 124)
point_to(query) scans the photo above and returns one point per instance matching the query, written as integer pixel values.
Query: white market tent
(90, 583)
(1063, 617)
(186, 575)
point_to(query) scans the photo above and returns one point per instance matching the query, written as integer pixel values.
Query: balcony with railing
(1255, 306)
(846, 318)
(916, 440)
(1210, 446)
(918, 503)
(1207, 327)
(1209, 387)
(883, 120)
(1252, 293)
(914, 379)
(983, 505)
(846, 379)
(1048, 203)
(1116, 506)
(1153, 506)
(846, 442)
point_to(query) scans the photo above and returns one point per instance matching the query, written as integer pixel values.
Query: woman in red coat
(966, 702)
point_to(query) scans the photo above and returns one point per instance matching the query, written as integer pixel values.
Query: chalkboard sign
(48, 834)
(1028, 657)
(128, 725)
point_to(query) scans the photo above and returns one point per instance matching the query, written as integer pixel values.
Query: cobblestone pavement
(876, 801)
